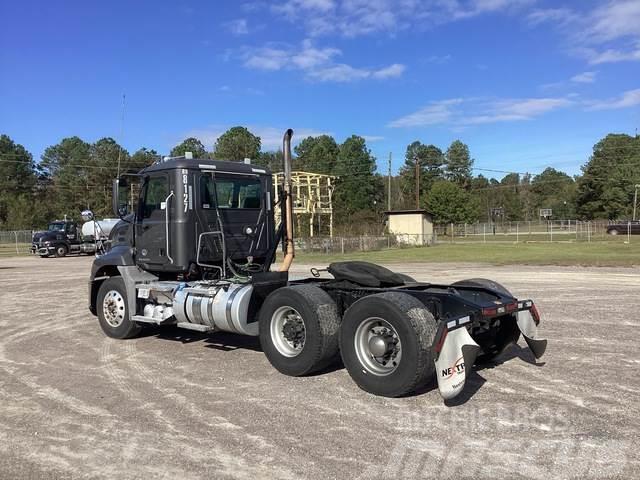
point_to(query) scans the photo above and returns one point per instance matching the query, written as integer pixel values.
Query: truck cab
(194, 218)
(57, 240)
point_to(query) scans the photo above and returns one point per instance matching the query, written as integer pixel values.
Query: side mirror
(87, 215)
(120, 201)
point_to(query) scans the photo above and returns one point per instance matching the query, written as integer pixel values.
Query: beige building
(411, 227)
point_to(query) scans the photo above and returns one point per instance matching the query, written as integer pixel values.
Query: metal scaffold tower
(312, 199)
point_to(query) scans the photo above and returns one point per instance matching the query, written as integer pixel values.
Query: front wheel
(386, 343)
(61, 250)
(113, 311)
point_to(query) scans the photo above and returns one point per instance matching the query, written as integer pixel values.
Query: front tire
(386, 343)
(113, 311)
(299, 328)
(61, 251)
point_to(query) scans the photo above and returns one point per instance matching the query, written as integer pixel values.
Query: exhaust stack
(288, 203)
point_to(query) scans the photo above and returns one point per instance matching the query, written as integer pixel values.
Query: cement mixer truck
(63, 237)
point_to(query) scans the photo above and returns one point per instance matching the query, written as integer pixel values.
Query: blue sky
(525, 83)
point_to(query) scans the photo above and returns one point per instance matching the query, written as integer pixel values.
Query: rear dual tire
(299, 328)
(386, 344)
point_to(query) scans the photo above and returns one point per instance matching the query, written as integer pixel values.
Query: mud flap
(529, 329)
(456, 353)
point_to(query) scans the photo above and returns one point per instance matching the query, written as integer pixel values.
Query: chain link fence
(558, 231)
(551, 231)
(16, 242)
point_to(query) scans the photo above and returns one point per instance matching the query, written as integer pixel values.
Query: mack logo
(456, 369)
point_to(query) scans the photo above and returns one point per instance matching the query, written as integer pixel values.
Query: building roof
(408, 212)
(207, 164)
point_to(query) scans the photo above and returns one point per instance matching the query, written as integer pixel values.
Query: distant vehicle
(622, 228)
(66, 236)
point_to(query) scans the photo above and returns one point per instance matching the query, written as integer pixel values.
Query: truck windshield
(56, 227)
(237, 192)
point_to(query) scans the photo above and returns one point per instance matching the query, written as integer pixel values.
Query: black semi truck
(198, 251)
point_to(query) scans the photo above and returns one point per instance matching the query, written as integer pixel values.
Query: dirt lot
(174, 404)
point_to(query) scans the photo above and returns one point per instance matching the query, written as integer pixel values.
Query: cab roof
(208, 165)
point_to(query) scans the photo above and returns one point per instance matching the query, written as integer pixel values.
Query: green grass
(579, 253)
(601, 253)
(9, 249)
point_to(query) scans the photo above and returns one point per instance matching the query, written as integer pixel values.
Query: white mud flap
(456, 353)
(529, 328)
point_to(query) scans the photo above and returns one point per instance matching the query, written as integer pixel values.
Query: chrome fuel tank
(223, 307)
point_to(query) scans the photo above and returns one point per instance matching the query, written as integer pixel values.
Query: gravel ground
(176, 404)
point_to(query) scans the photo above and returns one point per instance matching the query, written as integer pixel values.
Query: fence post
(517, 232)
(629, 232)
(551, 231)
(15, 233)
(342, 245)
(484, 233)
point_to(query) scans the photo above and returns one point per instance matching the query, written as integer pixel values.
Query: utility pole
(389, 187)
(635, 202)
(417, 183)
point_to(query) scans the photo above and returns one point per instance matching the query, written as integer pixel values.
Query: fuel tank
(223, 307)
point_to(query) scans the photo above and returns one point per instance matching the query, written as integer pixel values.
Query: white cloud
(338, 73)
(459, 112)
(391, 71)
(270, 137)
(238, 26)
(555, 15)
(267, 58)
(372, 138)
(317, 63)
(607, 34)
(351, 18)
(611, 55)
(516, 109)
(584, 77)
(630, 98)
(438, 112)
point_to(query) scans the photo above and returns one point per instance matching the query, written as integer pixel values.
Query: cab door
(151, 226)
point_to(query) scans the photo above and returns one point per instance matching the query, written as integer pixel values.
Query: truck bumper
(456, 351)
(35, 249)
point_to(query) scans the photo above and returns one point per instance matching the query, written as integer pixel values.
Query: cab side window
(155, 193)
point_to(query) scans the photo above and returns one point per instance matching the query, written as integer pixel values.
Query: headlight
(47, 243)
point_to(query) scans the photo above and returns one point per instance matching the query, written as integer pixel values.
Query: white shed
(411, 227)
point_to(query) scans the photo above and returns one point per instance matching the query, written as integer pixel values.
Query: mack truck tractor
(198, 252)
(63, 237)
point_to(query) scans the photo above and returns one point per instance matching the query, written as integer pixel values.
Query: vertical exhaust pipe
(288, 203)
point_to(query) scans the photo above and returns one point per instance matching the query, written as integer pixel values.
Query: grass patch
(579, 253)
(9, 249)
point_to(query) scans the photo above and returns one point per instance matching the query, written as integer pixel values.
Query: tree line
(74, 174)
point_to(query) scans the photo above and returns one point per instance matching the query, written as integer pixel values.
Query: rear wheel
(299, 328)
(61, 250)
(113, 311)
(503, 330)
(385, 343)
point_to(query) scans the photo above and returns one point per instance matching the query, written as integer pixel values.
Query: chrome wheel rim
(113, 308)
(378, 347)
(288, 332)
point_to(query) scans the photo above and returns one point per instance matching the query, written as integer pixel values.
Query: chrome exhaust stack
(288, 203)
